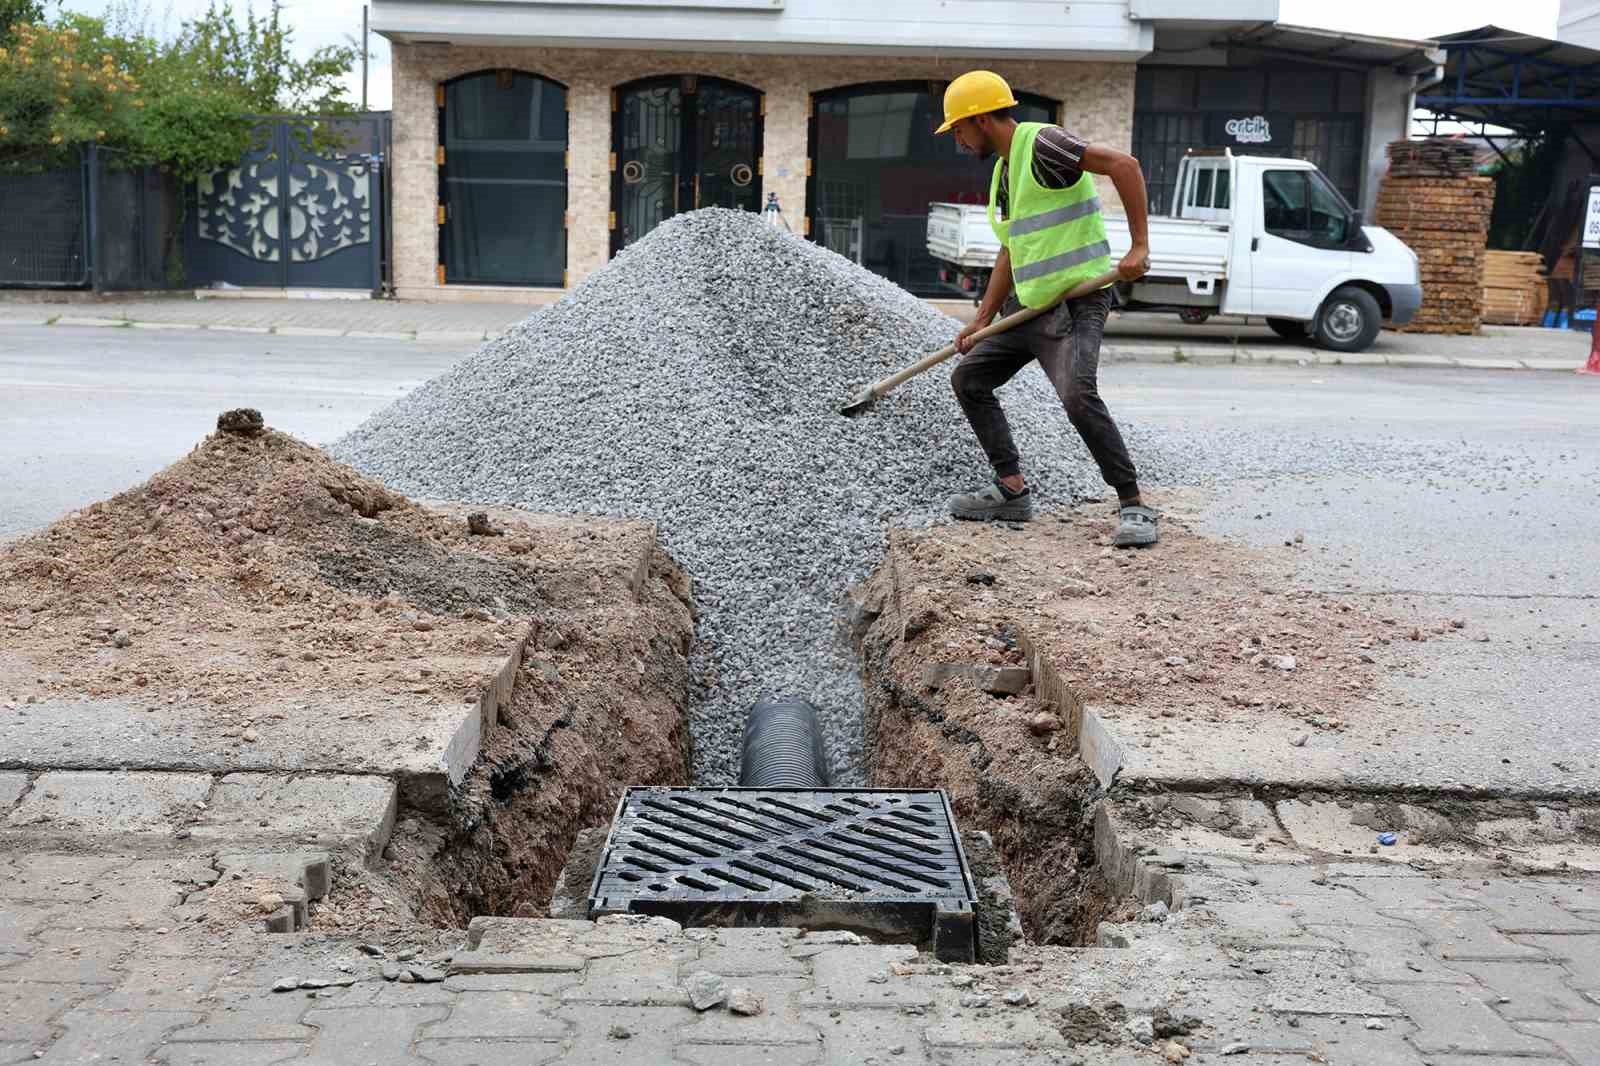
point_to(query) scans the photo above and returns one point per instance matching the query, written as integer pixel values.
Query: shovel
(870, 394)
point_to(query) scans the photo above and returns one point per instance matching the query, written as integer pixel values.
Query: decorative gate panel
(289, 217)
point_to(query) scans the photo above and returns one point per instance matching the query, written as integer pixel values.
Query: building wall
(1579, 23)
(1098, 99)
(1391, 98)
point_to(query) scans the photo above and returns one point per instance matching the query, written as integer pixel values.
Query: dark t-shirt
(1057, 163)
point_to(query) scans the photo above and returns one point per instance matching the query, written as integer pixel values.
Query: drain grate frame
(886, 862)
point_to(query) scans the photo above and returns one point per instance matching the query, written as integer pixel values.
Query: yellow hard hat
(976, 92)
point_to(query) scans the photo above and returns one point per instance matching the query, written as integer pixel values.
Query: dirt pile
(256, 542)
(1191, 631)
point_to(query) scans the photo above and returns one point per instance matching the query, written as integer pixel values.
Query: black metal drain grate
(876, 860)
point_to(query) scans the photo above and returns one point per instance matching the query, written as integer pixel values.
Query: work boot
(1137, 528)
(993, 502)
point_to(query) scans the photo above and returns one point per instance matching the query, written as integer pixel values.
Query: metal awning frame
(1522, 90)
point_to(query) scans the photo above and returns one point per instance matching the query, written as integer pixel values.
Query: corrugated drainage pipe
(783, 747)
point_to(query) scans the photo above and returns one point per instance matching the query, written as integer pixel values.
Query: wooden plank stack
(1514, 289)
(1433, 200)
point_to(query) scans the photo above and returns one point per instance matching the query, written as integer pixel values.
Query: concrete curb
(429, 336)
(1144, 353)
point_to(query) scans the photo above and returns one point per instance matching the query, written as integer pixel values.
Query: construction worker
(1042, 206)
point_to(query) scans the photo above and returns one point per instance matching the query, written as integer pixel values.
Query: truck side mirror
(1357, 237)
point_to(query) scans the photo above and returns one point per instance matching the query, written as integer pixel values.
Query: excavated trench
(593, 710)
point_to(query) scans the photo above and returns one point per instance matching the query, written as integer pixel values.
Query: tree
(188, 104)
(256, 58)
(13, 12)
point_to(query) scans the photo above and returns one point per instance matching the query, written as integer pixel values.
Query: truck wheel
(1289, 329)
(1193, 316)
(1348, 321)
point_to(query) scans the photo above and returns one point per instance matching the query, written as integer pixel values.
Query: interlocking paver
(12, 786)
(1348, 1042)
(1465, 935)
(252, 1014)
(843, 975)
(1310, 982)
(741, 952)
(651, 1035)
(779, 1022)
(995, 1027)
(1533, 906)
(1410, 893)
(548, 984)
(1580, 1040)
(1459, 1019)
(381, 1035)
(1494, 1060)
(1396, 953)
(26, 1010)
(154, 983)
(230, 1053)
(490, 1052)
(1259, 923)
(54, 878)
(499, 1015)
(1579, 954)
(1533, 991)
(72, 958)
(641, 978)
(91, 1034)
(852, 1037)
(18, 923)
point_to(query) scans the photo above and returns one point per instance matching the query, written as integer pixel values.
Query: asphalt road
(86, 413)
(1490, 518)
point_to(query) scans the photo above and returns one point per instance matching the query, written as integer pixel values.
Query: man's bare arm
(1124, 172)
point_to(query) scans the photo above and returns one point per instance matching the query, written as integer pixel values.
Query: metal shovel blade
(859, 402)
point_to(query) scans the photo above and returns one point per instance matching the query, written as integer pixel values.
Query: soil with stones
(258, 561)
(598, 705)
(1190, 629)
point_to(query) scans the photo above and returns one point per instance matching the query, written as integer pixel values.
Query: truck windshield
(1300, 205)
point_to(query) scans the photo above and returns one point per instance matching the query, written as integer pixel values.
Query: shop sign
(1246, 131)
(1591, 220)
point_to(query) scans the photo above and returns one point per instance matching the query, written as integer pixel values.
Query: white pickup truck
(1248, 235)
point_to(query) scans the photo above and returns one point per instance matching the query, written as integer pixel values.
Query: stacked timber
(1440, 157)
(1433, 200)
(1514, 289)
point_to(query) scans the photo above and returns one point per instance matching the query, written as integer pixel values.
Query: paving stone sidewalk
(1132, 338)
(1355, 964)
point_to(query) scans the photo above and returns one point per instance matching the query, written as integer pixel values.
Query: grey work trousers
(1066, 342)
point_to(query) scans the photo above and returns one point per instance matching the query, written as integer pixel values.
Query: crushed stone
(696, 381)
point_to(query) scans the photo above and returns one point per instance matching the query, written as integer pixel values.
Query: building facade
(533, 140)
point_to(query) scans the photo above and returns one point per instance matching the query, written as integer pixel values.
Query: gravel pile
(696, 381)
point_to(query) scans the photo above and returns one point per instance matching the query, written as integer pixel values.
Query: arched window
(503, 179)
(876, 166)
(682, 142)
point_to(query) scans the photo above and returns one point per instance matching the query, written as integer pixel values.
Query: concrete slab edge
(1205, 353)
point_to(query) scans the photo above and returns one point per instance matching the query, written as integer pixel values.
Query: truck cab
(1245, 235)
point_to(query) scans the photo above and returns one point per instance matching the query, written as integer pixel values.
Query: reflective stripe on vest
(1056, 237)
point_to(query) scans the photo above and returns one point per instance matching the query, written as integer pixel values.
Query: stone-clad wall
(1098, 98)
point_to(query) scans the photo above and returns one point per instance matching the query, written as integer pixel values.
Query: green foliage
(188, 103)
(13, 12)
(1521, 189)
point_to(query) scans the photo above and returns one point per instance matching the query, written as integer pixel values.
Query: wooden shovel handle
(1027, 314)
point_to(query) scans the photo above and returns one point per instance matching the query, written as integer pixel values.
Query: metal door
(503, 180)
(289, 216)
(682, 143)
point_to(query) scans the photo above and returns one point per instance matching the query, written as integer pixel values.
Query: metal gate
(44, 229)
(289, 217)
(679, 144)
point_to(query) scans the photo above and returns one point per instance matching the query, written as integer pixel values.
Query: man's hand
(1136, 264)
(964, 341)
